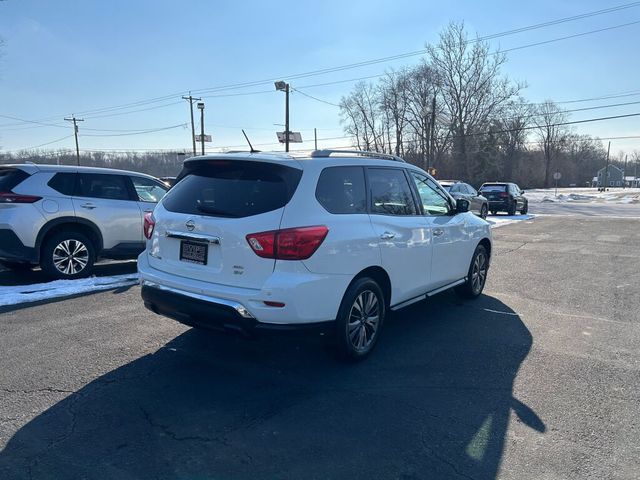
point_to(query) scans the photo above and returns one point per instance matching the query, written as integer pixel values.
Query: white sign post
(557, 176)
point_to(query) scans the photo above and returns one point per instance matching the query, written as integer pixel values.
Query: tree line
(456, 112)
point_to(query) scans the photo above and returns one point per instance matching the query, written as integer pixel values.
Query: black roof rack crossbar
(361, 153)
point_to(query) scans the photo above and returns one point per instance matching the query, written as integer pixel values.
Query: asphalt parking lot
(537, 379)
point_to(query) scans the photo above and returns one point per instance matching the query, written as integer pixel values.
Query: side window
(99, 185)
(63, 183)
(390, 192)
(472, 191)
(148, 190)
(341, 190)
(463, 189)
(433, 200)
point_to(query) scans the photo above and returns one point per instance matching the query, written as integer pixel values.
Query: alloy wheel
(479, 273)
(364, 320)
(70, 257)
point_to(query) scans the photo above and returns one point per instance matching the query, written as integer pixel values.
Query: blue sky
(68, 57)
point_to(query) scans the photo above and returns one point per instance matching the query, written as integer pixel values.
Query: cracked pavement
(539, 378)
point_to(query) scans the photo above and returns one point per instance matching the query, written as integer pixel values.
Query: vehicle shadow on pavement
(9, 278)
(433, 401)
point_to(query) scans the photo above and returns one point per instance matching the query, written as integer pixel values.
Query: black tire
(474, 285)
(512, 208)
(483, 212)
(494, 212)
(81, 260)
(525, 209)
(354, 325)
(16, 266)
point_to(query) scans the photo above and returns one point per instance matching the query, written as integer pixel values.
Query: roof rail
(362, 153)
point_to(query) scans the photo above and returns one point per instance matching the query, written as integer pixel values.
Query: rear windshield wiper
(214, 211)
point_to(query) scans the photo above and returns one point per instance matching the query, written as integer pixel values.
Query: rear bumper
(308, 298)
(216, 314)
(499, 204)
(12, 249)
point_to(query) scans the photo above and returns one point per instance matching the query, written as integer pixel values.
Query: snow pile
(583, 195)
(63, 288)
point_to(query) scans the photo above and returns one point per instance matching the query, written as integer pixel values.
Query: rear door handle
(438, 232)
(387, 236)
(89, 206)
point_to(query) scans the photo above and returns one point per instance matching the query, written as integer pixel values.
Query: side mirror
(522, 192)
(462, 205)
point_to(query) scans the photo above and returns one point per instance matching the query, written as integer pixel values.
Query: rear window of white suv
(232, 188)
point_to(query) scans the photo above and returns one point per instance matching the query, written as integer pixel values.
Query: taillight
(504, 194)
(10, 197)
(149, 225)
(288, 244)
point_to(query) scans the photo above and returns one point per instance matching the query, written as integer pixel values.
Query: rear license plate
(194, 252)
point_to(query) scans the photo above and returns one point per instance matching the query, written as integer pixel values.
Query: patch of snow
(502, 220)
(62, 288)
(583, 195)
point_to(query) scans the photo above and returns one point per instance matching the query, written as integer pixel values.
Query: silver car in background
(64, 218)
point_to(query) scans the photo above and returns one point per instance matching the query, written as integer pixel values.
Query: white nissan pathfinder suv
(254, 241)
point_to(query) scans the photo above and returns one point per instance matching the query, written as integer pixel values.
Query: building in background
(614, 177)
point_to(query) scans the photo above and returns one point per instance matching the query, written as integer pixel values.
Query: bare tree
(360, 112)
(551, 134)
(473, 88)
(513, 136)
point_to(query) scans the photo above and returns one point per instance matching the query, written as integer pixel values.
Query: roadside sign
(207, 138)
(294, 137)
(557, 176)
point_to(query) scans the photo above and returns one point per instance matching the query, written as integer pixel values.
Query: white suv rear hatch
(202, 223)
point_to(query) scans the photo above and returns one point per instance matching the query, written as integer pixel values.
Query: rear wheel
(360, 319)
(494, 212)
(68, 255)
(477, 274)
(512, 208)
(525, 209)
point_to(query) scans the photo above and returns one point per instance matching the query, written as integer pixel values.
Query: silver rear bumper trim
(238, 307)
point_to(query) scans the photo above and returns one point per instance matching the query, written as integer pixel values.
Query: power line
(141, 132)
(384, 59)
(315, 98)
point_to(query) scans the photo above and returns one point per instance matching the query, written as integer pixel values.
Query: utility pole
(286, 119)
(606, 170)
(193, 128)
(432, 128)
(201, 108)
(315, 138)
(75, 132)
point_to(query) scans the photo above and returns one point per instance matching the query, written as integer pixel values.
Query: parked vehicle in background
(64, 218)
(505, 197)
(252, 242)
(168, 181)
(457, 189)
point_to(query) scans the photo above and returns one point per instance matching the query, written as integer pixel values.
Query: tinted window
(98, 185)
(434, 202)
(341, 190)
(493, 188)
(471, 190)
(10, 178)
(446, 186)
(390, 192)
(63, 183)
(455, 188)
(148, 190)
(223, 188)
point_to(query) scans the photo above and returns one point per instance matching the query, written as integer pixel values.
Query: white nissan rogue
(256, 241)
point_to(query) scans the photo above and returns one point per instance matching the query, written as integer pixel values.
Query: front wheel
(483, 212)
(68, 255)
(360, 319)
(525, 209)
(477, 274)
(512, 208)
